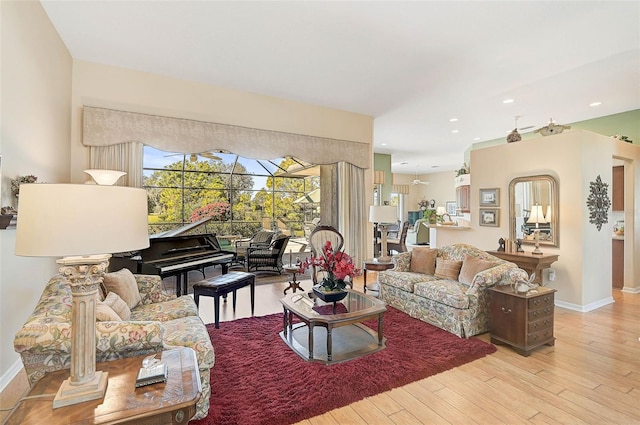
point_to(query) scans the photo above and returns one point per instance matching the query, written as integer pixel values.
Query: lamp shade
(547, 216)
(58, 220)
(441, 211)
(537, 215)
(105, 177)
(383, 214)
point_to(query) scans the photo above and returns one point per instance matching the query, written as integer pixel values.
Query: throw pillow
(447, 269)
(471, 266)
(118, 305)
(104, 313)
(124, 284)
(423, 260)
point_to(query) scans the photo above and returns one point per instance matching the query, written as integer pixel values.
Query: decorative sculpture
(598, 203)
(552, 128)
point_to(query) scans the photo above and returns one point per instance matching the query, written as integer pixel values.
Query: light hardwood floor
(590, 376)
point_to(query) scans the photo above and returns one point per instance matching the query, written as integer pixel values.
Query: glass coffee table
(323, 336)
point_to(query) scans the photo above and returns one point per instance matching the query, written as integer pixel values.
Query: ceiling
(413, 65)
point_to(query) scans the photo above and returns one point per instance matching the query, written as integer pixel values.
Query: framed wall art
(451, 208)
(489, 217)
(490, 197)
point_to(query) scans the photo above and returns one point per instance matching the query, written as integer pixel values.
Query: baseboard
(585, 308)
(11, 373)
(628, 290)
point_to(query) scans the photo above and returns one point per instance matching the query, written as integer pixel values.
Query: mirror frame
(555, 228)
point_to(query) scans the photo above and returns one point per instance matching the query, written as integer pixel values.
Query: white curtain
(352, 209)
(125, 157)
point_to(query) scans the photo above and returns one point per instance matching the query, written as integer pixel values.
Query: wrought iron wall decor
(598, 203)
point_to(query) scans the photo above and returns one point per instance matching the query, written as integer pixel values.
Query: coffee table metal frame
(361, 307)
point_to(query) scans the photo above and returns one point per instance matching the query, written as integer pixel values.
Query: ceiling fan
(418, 181)
(194, 156)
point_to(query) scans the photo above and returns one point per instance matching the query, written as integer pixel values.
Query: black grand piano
(175, 254)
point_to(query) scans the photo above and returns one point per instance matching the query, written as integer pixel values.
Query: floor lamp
(381, 216)
(83, 224)
(537, 217)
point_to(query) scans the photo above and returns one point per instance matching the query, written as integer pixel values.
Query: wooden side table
(528, 262)
(522, 320)
(374, 265)
(171, 402)
(293, 269)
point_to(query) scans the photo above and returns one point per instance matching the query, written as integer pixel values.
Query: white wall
(575, 159)
(36, 117)
(43, 93)
(118, 88)
(441, 187)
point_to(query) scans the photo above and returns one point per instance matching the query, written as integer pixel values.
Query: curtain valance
(105, 127)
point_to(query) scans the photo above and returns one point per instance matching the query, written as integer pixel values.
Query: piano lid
(182, 230)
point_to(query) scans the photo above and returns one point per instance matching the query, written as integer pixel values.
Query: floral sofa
(447, 287)
(159, 321)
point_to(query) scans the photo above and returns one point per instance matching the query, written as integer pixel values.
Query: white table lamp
(382, 216)
(537, 217)
(84, 224)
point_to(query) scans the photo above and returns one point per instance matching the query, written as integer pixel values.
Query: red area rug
(258, 380)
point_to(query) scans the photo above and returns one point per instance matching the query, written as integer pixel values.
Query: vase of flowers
(337, 266)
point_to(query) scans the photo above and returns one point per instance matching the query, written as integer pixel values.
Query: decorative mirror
(533, 204)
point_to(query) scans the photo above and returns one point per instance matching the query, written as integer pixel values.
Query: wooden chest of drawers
(523, 321)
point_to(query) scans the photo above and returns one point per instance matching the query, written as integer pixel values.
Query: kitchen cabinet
(617, 263)
(617, 189)
(462, 198)
(462, 184)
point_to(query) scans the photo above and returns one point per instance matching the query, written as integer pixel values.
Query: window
(239, 195)
(397, 199)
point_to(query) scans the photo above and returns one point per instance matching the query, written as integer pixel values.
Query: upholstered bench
(221, 286)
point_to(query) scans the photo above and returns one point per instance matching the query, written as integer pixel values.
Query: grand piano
(175, 254)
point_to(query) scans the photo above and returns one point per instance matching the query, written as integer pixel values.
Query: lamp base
(537, 251)
(69, 394)
(536, 234)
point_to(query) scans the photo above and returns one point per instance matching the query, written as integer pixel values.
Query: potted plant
(462, 170)
(15, 183)
(337, 266)
(430, 216)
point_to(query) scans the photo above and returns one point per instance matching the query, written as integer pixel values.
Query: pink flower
(337, 264)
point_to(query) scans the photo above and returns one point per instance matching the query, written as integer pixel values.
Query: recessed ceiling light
(383, 144)
(595, 104)
(507, 101)
(476, 138)
(454, 131)
(453, 119)
(434, 166)
(404, 163)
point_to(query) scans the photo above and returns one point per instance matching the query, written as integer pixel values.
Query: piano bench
(221, 286)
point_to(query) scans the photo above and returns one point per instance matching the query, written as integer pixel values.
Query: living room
(42, 134)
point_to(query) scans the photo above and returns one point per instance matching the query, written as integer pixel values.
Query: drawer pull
(505, 311)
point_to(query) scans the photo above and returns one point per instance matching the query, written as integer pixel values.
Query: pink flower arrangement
(337, 264)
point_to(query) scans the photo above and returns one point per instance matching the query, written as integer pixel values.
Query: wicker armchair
(262, 239)
(267, 258)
